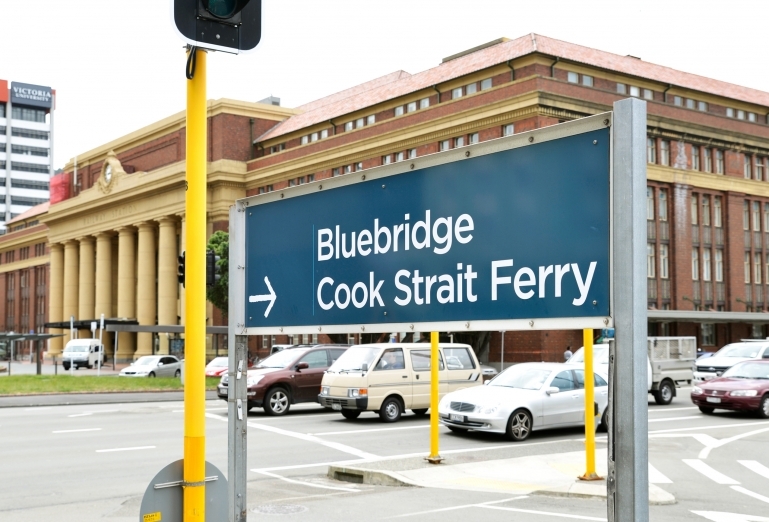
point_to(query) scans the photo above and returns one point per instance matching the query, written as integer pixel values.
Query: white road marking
(656, 476)
(348, 432)
(301, 483)
(76, 431)
(86, 414)
(464, 506)
(715, 476)
(548, 513)
(303, 436)
(663, 410)
(667, 419)
(751, 494)
(705, 452)
(718, 516)
(714, 427)
(756, 467)
(125, 449)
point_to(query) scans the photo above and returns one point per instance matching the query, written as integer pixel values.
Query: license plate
(222, 390)
(336, 407)
(713, 399)
(456, 418)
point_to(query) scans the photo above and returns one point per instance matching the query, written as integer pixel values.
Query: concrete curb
(657, 496)
(369, 476)
(78, 399)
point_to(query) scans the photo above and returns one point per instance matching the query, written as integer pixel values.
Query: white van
(390, 378)
(82, 352)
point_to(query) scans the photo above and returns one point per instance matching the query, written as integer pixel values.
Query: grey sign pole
(628, 481)
(237, 348)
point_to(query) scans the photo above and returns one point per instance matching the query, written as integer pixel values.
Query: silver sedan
(153, 366)
(524, 398)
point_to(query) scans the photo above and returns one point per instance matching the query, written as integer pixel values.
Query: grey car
(154, 366)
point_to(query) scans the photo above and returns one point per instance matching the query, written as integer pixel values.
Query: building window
(717, 212)
(740, 114)
(757, 268)
(649, 204)
(399, 156)
(459, 142)
(411, 106)
(665, 152)
(719, 161)
(358, 166)
(707, 334)
(752, 117)
(456, 93)
(424, 103)
(444, 145)
(635, 91)
(746, 170)
(695, 264)
(766, 216)
(708, 153)
(360, 122)
(648, 94)
(24, 253)
(508, 130)
(719, 266)
(706, 265)
(650, 260)
(651, 150)
(486, 84)
(371, 120)
(677, 100)
(40, 247)
(412, 153)
(702, 106)
(621, 88)
(587, 81)
(314, 137)
(664, 274)
(747, 267)
(472, 139)
(662, 211)
(689, 103)
(756, 216)
(348, 125)
(23, 113)
(572, 77)
(695, 157)
(471, 88)
(310, 178)
(729, 112)
(705, 211)
(386, 160)
(758, 174)
(745, 215)
(347, 169)
(335, 172)
(305, 140)
(399, 110)
(10, 257)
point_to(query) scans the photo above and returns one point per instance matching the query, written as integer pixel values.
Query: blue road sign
(499, 234)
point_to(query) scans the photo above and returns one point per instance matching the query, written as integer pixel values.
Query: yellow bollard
(195, 303)
(590, 474)
(434, 457)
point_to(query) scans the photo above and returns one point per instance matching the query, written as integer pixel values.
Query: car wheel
(420, 411)
(350, 414)
(519, 426)
(664, 395)
(277, 402)
(604, 426)
(178, 374)
(763, 408)
(457, 430)
(706, 410)
(66, 366)
(89, 366)
(152, 374)
(391, 410)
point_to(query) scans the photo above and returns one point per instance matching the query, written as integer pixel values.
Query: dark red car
(287, 377)
(743, 387)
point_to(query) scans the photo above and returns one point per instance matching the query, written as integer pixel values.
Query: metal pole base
(591, 476)
(437, 459)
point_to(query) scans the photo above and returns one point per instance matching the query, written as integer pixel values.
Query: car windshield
(146, 361)
(281, 359)
(219, 362)
(352, 359)
(76, 349)
(748, 370)
(523, 377)
(739, 350)
(600, 355)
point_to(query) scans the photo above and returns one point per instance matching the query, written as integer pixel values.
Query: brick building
(116, 224)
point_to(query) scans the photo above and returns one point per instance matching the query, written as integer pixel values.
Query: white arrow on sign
(271, 297)
(717, 516)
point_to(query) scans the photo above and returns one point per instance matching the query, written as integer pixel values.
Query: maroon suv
(743, 387)
(287, 377)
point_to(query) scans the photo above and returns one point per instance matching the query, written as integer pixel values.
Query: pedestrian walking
(567, 354)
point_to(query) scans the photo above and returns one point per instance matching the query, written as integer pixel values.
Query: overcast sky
(118, 65)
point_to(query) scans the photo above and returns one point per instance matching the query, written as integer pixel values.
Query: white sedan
(153, 366)
(524, 398)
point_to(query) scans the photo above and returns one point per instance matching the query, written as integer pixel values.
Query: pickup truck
(670, 361)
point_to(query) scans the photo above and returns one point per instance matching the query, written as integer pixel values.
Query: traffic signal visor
(232, 26)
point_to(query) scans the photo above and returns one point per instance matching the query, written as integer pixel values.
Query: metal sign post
(628, 481)
(101, 346)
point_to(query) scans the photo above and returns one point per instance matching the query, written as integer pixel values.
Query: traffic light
(212, 268)
(232, 26)
(180, 269)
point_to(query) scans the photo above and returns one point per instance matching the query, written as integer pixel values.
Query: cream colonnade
(85, 282)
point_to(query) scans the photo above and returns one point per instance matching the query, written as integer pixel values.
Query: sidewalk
(48, 368)
(489, 471)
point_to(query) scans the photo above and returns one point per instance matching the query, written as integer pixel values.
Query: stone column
(56, 296)
(145, 299)
(167, 282)
(86, 277)
(126, 290)
(71, 272)
(103, 299)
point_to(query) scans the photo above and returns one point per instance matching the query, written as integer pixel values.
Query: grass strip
(40, 384)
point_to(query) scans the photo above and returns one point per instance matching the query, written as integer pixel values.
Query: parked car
(390, 378)
(82, 352)
(728, 356)
(524, 398)
(217, 367)
(488, 372)
(153, 366)
(743, 387)
(290, 376)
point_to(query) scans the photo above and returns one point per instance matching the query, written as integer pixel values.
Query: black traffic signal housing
(180, 268)
(212, 268)
(232, 26)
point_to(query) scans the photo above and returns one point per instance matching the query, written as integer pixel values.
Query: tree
(219, 242)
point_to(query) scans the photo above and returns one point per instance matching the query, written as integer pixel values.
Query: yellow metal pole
(587, 339)
(434, 457)
(195, 298)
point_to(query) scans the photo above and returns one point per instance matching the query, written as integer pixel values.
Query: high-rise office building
(26, 147)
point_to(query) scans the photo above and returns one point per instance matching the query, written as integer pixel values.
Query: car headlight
(743, 393)
(225, 379)
(141, 373)
(487, 409)
(324, 390)
(357, 392)
(696, 390)
(253, 381)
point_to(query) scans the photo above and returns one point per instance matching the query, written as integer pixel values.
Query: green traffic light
(223, 8)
